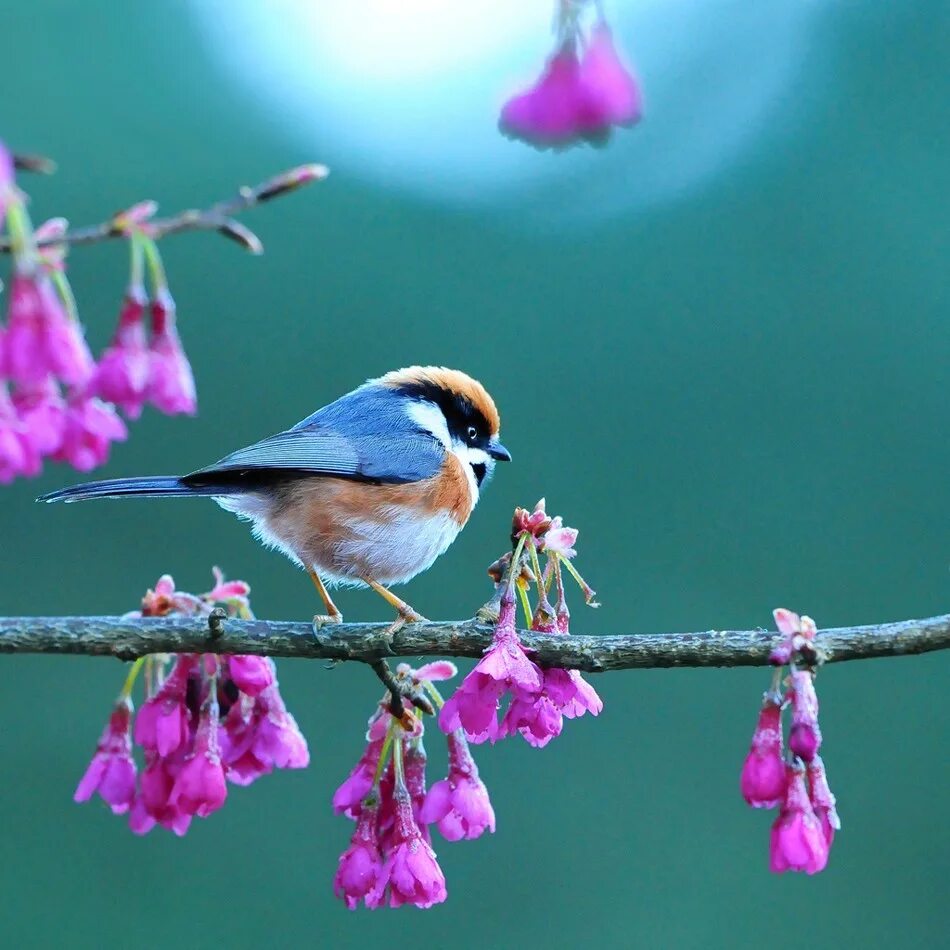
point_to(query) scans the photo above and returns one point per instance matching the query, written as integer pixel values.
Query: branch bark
(219, 217)
(129, 638)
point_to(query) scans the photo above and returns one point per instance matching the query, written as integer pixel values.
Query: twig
(130, 638)
(219, 217)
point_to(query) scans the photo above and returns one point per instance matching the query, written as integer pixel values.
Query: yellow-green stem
(131, 678)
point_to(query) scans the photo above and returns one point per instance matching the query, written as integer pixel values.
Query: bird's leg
(406, 613)
(333, 614)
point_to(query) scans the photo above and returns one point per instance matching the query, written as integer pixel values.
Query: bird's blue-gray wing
(392, 457)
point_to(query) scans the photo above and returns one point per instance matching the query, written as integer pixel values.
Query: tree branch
(129, 638)
(219, 217)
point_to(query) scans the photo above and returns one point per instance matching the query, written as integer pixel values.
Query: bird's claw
(326, 620)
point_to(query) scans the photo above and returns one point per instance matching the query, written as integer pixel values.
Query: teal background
(739, 397)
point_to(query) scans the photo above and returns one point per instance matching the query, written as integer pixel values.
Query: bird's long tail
(156, 486)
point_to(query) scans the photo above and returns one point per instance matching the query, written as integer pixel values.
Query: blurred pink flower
(90, 427)
(612, 95)
(575, 99)
(123, 371)
(111, 772)
(7, 181)
(171, 385)
(17, 456)
(348, 798)
(42, 411)
(763, 773)
(41, 338)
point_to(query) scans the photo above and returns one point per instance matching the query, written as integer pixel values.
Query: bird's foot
(326, 620)
(405, 616)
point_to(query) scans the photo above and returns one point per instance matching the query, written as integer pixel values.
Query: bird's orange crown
(453, 382)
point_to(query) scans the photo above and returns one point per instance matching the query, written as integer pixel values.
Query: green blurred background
(737, 391)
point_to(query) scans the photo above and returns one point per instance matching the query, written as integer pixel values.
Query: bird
(368, 491)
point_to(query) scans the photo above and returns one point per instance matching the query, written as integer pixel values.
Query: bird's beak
(497, 451)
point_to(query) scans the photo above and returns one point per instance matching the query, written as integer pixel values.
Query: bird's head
(455, 409)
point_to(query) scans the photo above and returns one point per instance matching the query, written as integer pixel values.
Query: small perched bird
(370, 489)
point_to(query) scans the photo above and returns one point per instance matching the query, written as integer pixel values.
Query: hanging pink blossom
(411, 872)
(798, 842)
(576, 99)
(804, 738)
(763, 772)
(200, 786)
(360, 870)
(112, 771)
(459, 804)
(90, 427)
(171, 385)
(505, 668)
(123, 372)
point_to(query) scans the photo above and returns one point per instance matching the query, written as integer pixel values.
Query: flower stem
(131, 678)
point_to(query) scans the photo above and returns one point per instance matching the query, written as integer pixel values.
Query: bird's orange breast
(349, 528)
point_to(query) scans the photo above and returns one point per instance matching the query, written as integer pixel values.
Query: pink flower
(236, 738)
(162, 723)
(763, 774)
(799, 633)
(140, 821)
(42, 411)
(123, 372)
(111, 772)
(804, 738)
(560, 540)
(228, 591)
(200, 787)
(547, 114)
(155, 793)
(164, 600)
(17, 456)
(414, 757)
(91, 425)
(41, 338)
(536, 716)
(171, 386)
(575, 99)
(251, 674)
(7, 178)
(435, 671)
(459, 804)
(361, 865)
(348, 798)
(505, 667)
(823, 802)
(612, 94)
(411, 870)
(278, 741)
(797, 842)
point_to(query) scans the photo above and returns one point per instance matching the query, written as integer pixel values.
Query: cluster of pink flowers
(390, 858)
(206, 721)
(539, 699)
(795, 784)
(56, 402)
(584, 91)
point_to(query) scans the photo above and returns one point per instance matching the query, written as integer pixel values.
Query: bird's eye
(472, 433)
